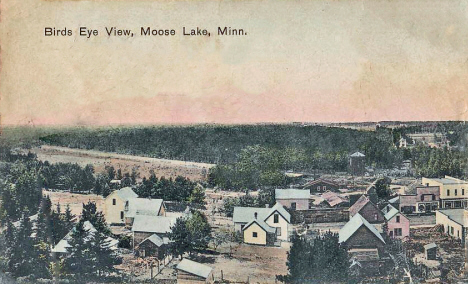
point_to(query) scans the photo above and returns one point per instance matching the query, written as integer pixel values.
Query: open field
(74, 200)
(143, 165)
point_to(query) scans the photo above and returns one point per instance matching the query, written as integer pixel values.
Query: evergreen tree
(26, 259)
(198, 195)
(199, 231)
(58, 229)
(96, 218)
(44, 223)
(78, 260)
(180, 238)
(102, 257)
(110, 172)
(68, 219)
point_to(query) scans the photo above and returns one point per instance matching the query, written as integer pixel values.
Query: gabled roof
(143, 206)
(155, 239)
(194, 268)
(358, 205)
(333, 198)
(280, 209)
(153, 224)
(390, 212)
(394, 199)
(357, 154)
(126, 193)
(262, 225)
(353, 225)
(246, 214)
(319, 180)
(292, 194)
(63, 245)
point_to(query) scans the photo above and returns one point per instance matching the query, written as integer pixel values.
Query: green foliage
(68, 176)
(26, 256)
(178, 189)
(78, 260)
(223, 144)
(198, 195)
(21, 191)
(96, 218)
(322, 260)
(435, 162)
(264, 197)
(382, 188)
(191, 234)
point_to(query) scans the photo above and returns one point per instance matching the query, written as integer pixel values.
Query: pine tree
(43, 223)
(198, 195)
(68, 219)
(102, 257)
(26, 259)
(78, 260)
(96, 218)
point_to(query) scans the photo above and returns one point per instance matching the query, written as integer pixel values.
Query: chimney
(255, 215)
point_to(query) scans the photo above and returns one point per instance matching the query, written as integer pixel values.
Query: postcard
(150, 141)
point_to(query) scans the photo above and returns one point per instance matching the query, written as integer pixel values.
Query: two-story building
(398, 225)
(426, 200)
(368, 211)
(114, 205)
(453, 191)
(262, 226)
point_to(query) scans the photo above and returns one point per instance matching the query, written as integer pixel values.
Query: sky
(301, 61)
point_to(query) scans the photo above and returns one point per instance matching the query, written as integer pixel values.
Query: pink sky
(314, 61)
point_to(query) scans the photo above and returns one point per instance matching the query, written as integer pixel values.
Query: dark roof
(313, 182)
(358, 205)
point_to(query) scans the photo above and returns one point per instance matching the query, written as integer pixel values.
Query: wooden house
(191, 272)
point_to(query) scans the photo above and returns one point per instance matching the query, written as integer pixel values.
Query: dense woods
(222, 144)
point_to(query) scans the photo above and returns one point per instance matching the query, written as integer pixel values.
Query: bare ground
(143, 165)
(74, 200)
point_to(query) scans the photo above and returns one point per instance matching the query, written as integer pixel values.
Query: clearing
(143, 165)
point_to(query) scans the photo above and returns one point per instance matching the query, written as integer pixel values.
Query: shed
(189, 271)
(430, 251)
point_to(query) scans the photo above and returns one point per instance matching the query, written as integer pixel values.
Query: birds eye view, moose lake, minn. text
(232, 141)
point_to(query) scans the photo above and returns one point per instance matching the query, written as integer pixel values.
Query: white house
(276, 218)
(114, 205)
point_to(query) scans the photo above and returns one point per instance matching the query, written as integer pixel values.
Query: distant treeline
(222, 144)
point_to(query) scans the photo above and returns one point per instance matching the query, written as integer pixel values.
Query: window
(121, 215)
(456, 191)
(293, 205)
(278, 232)
(398, 232)
(463, 191)
(375, 216)
(433, 197)
(114, 201)
(398, 219)
(448, 192)
(324, 187)
(276, 218)
(451, 230)
(318, 188)
(254, 234)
